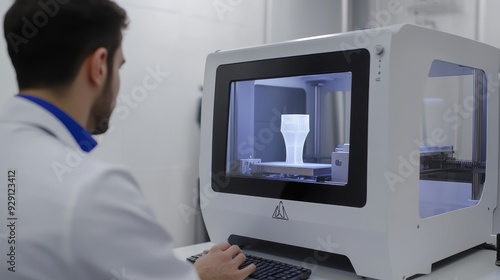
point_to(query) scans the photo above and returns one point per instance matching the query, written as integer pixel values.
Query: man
(93, 223)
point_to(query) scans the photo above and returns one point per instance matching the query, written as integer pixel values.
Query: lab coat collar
(81, 135)
(22, 111)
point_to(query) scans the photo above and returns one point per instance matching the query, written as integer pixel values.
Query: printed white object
(294, 129)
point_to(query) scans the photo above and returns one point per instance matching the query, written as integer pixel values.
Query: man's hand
(222, 262)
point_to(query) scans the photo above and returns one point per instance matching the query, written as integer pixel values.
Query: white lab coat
(77, 218)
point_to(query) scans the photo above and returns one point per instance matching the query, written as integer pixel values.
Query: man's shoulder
(48, 163)
(90, 171)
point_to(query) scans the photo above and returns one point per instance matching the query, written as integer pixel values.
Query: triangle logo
(280, 213)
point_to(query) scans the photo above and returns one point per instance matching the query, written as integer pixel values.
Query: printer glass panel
(453, 138)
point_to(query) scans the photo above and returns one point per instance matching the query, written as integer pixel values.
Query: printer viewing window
(293, 128)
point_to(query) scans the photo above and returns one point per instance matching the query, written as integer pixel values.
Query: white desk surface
(476, 264)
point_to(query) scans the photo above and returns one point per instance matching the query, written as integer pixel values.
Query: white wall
(489, 22)
(154, 132)
(452, 16)
(476, 20)
(294, 19)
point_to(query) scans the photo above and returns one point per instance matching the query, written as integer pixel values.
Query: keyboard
(268, 269)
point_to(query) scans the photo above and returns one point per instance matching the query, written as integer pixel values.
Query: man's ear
(98, 67)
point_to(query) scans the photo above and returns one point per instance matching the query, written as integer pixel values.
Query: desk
(475, 264)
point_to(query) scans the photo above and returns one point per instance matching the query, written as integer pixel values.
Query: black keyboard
(270, 269)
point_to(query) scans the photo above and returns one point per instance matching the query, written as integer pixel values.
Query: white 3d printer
(383, 143)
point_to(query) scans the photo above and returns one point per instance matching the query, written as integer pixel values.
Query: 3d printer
(382, 141)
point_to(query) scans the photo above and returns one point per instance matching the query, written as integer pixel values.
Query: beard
(102, 110)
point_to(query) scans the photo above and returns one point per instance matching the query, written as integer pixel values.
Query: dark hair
(48, 40)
